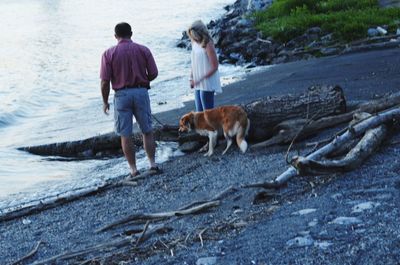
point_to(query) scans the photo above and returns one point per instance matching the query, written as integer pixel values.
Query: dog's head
(186, 123)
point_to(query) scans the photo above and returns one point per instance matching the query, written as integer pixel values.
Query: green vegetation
(346, 19)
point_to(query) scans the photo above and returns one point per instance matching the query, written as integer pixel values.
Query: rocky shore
(238, 42)
(349, 218)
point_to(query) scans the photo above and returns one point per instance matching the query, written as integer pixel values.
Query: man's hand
(105, 92)
(191, 83)
(106, 108)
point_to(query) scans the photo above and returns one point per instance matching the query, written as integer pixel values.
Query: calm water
(49, 86)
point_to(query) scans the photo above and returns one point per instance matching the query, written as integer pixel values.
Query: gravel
(349, 218)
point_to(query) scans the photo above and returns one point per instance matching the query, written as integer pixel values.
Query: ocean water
(49, 83)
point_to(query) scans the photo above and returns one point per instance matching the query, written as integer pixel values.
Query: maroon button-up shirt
(128, 64)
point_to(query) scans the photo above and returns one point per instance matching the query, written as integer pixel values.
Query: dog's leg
(213, 136)
(228, 142)
(240, 140)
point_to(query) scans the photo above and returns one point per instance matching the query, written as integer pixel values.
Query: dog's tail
(241, 135)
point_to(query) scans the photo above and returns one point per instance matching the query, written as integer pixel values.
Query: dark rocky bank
(238, 42)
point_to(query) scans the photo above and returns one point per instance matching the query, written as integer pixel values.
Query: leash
(157, 120)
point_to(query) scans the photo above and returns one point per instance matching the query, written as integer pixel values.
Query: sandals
(155, 170)
(131, 176)
(152, 171)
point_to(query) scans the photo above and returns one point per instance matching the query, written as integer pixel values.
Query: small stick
(165, 245)
(217, 197)
(159, 216)
(139, 241)
(187, 237)
(30, 254)
(200, 236)
(266, 185)
(298, 133)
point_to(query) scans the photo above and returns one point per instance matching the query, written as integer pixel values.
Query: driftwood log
(286, 131)
(264, 115)
(319, 101)
(99, 146)
(365, 147)
(354, 131)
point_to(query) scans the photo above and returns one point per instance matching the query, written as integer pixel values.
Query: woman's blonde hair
(198, 32)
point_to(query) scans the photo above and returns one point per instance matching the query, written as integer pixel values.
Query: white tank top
(200, 67)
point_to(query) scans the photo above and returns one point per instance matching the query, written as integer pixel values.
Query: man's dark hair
(123, 30)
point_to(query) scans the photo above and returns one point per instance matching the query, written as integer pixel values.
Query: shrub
(347, 20)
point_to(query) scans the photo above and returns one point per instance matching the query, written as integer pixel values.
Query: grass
(347, 19)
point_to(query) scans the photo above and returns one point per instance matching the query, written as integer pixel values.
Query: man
(129, 67)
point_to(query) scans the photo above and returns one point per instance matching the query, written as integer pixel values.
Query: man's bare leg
(150, 147)
(129, 152)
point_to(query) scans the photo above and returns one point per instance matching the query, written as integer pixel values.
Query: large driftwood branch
(264, 115)
(100, 146)
(159, 216)
(51, 202)
(302, 128)
(353, 132)
(143, 235)
(76, 253)
(367, 145)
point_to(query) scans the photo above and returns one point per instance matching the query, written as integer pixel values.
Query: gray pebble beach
(349, 218)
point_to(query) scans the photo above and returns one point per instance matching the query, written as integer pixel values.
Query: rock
(381, 30)
(327, 38)
(314, 222)
(235, 56)
(373, 32)
(254, 5)
(314, 30)
(300, 241)
(365, 206)
(323, 244)
(329, 51)
(243, 23)
(304, 212)
(189, 147)
(250, 65)
(206, 261)
(26, 221)
(280, 59)
(346, 221)
(314, 44)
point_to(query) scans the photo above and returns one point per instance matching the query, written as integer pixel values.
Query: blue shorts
(128, 103)
(203, 100)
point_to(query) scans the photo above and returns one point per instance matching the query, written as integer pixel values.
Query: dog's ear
(183, 123)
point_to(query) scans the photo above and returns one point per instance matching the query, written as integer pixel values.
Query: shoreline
(241, 224)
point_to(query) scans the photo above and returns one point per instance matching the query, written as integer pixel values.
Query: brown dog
(231, 119)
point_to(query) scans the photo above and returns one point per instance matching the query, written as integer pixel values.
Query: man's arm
(152, 71)
(105, 92)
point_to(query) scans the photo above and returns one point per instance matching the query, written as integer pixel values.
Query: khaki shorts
(128, 103)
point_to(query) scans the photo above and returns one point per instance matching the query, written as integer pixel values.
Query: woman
(204, 77)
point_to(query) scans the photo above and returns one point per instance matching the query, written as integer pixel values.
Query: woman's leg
(207, 99)
(197, 101)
